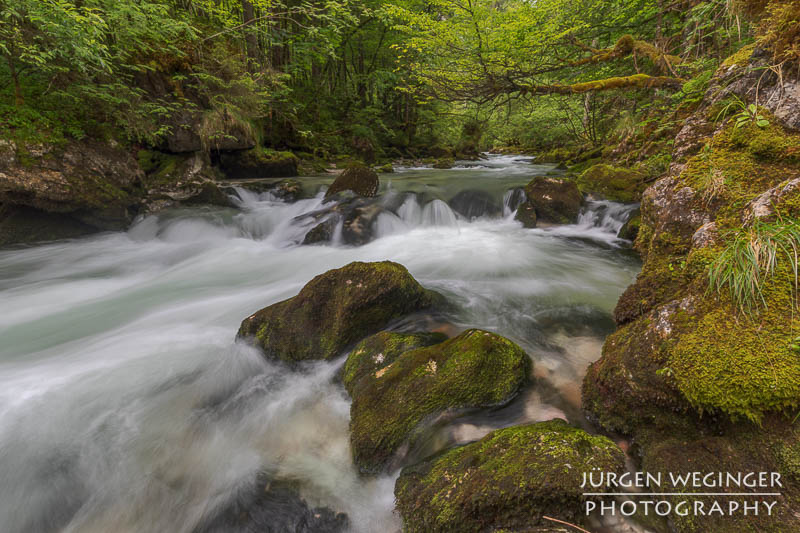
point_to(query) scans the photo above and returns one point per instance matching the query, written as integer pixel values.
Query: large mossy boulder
(335, 310)
(612, 183)
(555, 200)
(258, 163)
(63, 190)
(506, 481)
(360, 179)
(475, 369)
(380, 350)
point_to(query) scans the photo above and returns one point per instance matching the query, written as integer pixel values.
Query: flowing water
(126, 404)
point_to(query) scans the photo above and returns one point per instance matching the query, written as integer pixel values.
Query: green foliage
(750, 257)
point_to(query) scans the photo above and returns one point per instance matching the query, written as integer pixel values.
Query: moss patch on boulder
(357, 178)
(380, 350)
(526, 213)
(556, 200)
(508, 479)
(444, 163)
(474, 369)
(336, 309)
(612, 183)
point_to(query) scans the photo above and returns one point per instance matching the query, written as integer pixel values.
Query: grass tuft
(750, 258)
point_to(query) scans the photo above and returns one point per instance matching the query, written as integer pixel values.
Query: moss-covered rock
(474, 369)
(336, 309)
(556, 200)
(386, 169)
(507, 480)
(258, 163)
(612, 183)
(357, 178)
(380, 350)
(444, 163)
(526, 214)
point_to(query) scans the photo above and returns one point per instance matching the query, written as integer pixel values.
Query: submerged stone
(506, 481)
(336, 309)
(472, 203)
(475, 369)
(270, 506)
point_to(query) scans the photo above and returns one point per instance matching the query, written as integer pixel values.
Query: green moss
(380, 350)
(475, 369)
(161, 169)
(742, 365)
(510, 478)
(741, 58)
(612, 183)
(336, 309)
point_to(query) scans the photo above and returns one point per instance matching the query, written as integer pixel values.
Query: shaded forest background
(376, 80)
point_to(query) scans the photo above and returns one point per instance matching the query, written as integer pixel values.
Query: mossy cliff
(506, 481)
(474, 369)
(335, 310)
(700, 383)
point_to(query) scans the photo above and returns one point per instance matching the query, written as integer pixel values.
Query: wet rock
(258, 163)
(386, 169)
(356, 215)
(506, 481)
(183, 134)
(335, 310)
(556, 200)
(630, 229)
(471, 204)
(179, 179)
(612, 183)
(272, 507)
(22, 224)
(526, 214)
(475, 369)
(380, 350)
(360, 179)
(288, 190)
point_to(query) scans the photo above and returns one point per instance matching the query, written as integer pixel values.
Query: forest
(375, 80)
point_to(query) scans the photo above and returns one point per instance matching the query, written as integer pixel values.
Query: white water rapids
(126, 405)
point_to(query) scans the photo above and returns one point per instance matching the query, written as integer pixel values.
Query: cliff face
(700, 383)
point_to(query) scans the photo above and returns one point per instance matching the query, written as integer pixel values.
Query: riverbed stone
(556, 200)
(506, 481)
(337, 309)
(526, 213)
(473, 370)
(272, 506)
(471, 203)
(358, 178)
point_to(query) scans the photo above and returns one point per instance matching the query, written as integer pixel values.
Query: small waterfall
(438, 213)
(389, 224)
(410, 212)
(512, 199)
(606, 215)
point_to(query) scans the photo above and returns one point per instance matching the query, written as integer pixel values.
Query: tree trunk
(19, 100)
(250, 36)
